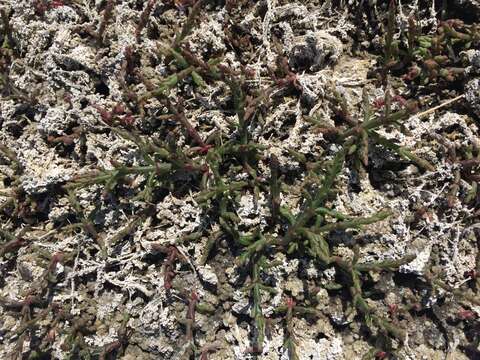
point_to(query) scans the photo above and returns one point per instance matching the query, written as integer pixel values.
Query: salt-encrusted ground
(60, 78)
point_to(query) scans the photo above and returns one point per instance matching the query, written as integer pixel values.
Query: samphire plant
(218, 170)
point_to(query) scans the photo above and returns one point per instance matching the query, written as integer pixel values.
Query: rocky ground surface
(239, 179)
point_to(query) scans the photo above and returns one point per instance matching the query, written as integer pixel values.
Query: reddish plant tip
(290, 80)
(378, 103)
(167, 279)
(381, 355)
(118, 109)
(256, 350)
(183, 4)
(56, 258)
(169, 267)
(471, 274)
(193, 168)
(290, 303)
(455, 23)
(204, 149)
(56, 3)
(42, 6)
(416, 307)
(128, 120)
(191, 305)
(392, 308)
(128, 51)
(400, 100)
(12, 246)
(413, 72)
(249, 72)
(466, 314)
(51, 335)
(29, 300)
(104, 114)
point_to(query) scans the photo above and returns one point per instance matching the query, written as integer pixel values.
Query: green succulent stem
(302, 219)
